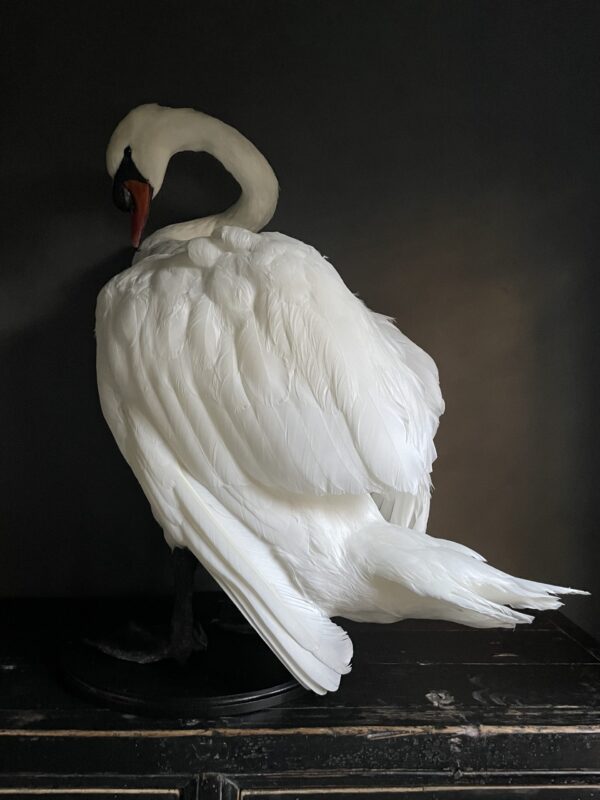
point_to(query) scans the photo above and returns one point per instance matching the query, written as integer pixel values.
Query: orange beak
(142, 195)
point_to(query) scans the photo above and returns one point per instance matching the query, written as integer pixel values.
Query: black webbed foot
(145, 644)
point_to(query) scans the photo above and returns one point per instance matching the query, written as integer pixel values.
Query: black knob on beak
(127, 171)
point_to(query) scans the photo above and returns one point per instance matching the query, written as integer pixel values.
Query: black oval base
(237, 674)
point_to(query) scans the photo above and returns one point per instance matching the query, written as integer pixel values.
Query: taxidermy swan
(282, 431)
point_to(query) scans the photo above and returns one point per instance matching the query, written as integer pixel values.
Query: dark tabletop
(425, 695)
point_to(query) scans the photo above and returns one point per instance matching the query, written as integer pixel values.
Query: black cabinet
(430, 710)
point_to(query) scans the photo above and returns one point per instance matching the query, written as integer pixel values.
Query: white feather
(282, 431)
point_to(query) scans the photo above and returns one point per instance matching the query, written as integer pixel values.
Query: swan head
(136, 160)
(138, 155)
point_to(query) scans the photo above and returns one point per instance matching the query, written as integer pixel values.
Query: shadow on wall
(74, 507)
(78, 520)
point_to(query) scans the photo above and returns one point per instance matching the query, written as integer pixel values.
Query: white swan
(281, 430)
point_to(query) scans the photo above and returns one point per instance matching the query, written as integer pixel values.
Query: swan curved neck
(190, 130)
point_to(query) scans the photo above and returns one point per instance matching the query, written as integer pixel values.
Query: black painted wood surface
(429, 708)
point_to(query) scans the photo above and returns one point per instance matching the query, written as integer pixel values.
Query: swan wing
(316, 394)
(403, 508)
(154, 390)
(242, 380)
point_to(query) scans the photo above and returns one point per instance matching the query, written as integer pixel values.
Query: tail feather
(314, 649)
(420, 576)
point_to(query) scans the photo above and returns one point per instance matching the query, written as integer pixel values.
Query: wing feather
(240, 367)
(327, 397)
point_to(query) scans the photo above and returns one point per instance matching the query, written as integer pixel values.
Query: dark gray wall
(444, 155)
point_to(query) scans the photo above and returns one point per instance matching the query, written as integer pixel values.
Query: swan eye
(122, 197)
(127, 171)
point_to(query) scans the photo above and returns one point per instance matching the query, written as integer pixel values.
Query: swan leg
(186, 636)
(144, 645)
